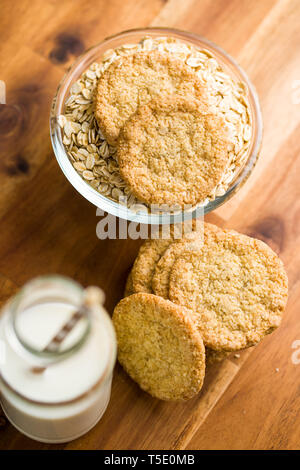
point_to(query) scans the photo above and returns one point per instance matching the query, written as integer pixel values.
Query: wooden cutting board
(250, 402)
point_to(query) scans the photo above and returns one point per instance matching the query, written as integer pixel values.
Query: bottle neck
(45, 323)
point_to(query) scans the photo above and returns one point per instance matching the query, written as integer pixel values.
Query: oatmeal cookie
(173, 151)
(135, 80)
(144, 265)
(212, 357)
(159, 347)
(236, 286)
(192, 241)
(151, 251)
(128, 286)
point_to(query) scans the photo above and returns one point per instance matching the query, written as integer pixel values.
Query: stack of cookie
(212, 287)
(172, 146)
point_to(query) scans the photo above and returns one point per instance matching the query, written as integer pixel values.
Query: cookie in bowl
(81, 131)
(173, 151)
(135, 80)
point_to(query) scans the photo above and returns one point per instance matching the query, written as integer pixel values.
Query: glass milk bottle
(57, 353)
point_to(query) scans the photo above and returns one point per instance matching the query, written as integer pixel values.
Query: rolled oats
(90, 162)
(79, 166)
(88, 175)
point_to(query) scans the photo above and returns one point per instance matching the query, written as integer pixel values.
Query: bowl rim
(112, 207)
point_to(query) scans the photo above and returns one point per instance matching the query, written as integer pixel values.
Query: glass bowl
(94, 54)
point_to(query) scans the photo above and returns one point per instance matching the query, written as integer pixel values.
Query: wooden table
(251, 402)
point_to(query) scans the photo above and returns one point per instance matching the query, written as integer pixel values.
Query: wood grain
(248, 402)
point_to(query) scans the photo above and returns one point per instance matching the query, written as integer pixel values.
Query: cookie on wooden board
(144, 265)
(163, 267)
(152, 249)
(128, 286)
(159, 346)
(235, 285)
(213, 357)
